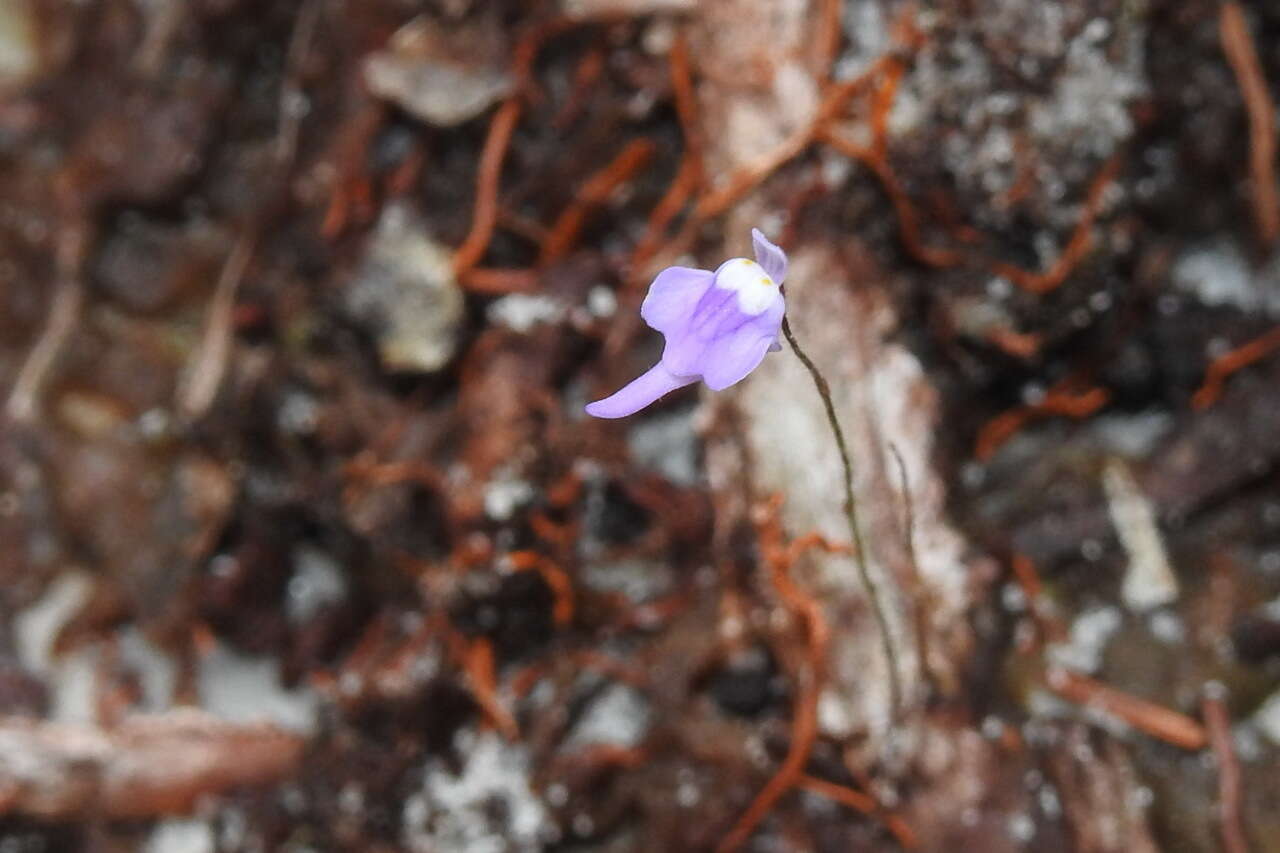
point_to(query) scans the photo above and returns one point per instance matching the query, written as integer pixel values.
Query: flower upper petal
(716, 314)
(769, 256)
(733, 355)
(742, 305)
(673, 296)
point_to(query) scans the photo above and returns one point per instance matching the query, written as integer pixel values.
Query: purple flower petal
(718, 326)
(737, 353)
(717, 312)
(769, 256)
(742, 306)
(647, 388)
(674, 294)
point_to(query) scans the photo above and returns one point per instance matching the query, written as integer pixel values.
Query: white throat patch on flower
(756, 291)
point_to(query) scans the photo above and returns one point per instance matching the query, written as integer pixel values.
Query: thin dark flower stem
(870, 587)
(909, 537)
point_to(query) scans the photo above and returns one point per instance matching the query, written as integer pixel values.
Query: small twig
(686, 101)
(1155, 720)
(689, 179)
(163, 24)
(1023, 345)
(291, 94)
(149, 765)
(352, 200)
(882, 100)
(1049, 628)
(1237, 359)
(595, 192)
(498, 280)
(201, 384)
(554, 576)
(589, 71)
(485, 214)
(1218, 721)
(904, 210)
(407, 172)
(747, 177)
(804, 725)
(602, 756)
(64, 313)
(827, 39)
(1078, 245)
(578, 660)
(851, 516)
(1145, 716)
(864, 803)
(803, 734)
(478, 661)
(1064, 398)
(909, 538)
(1242, 55)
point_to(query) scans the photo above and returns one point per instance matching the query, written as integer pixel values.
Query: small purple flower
(718, 326)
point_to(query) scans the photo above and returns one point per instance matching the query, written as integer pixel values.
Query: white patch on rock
(156, 670)
(1218, 273)
(587, 9)
(867, 29)
(637, 580)
(19, 42)
(243, 689)
(1167, 627)
(73, 687)
(521, 312)
(299, 413)
(1267, 718)
(180, 835)
(488, 807)
(796, 94)
(619, 716)
(405, 292)
(504, 495)
(1090, 102)
(1149, 580)
(666, 443)
(1132, 436)
(1087, 641)
(36, 627)
(317, 582)
(417, 73)
(602, 302)
(834, 718)
(71, 677)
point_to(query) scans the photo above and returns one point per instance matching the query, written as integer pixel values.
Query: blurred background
(306, 543)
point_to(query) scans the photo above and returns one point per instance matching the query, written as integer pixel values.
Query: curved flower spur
(718, 326)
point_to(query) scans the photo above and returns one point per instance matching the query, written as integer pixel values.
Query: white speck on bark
(1149, 581)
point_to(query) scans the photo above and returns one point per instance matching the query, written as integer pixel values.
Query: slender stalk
(869, 585)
